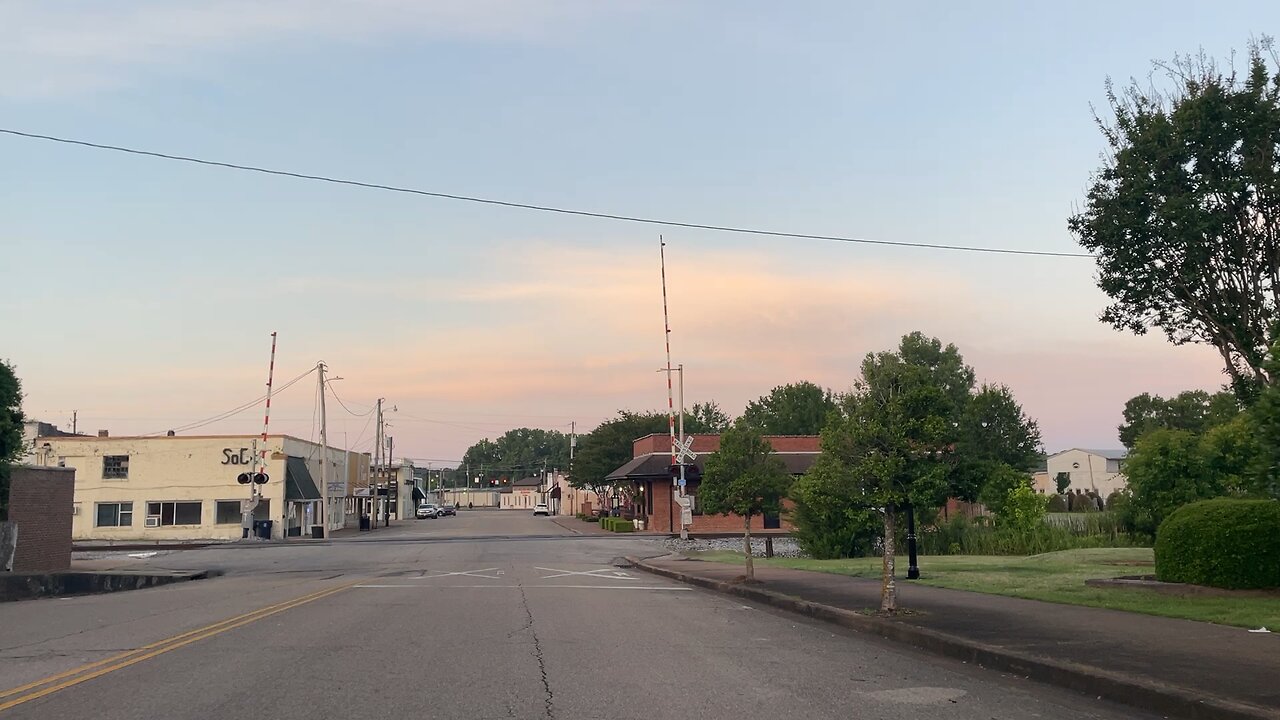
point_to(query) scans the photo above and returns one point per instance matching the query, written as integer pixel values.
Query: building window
(228, 512)
(115, 467)
(162, 514)
(118, 514)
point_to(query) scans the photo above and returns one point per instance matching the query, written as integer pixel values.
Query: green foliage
(829, 518)
(962, 536)
(518, 453)
(617, 524)
(1062, 483)
(11, 420)
(1024, 508)
(801, 408)
(1193, 410)
(1182, 215)
(743, 477)
(1057, 504)
(609, 446)
(1223, 542)
(706, 417)
(995, 436)
(1000, 482)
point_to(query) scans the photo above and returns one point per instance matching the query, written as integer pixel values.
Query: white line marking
(468, 573)
(608, 574)
(530, 587)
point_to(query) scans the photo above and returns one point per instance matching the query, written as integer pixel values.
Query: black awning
(418, 495)
(555, 493)
(298, 484)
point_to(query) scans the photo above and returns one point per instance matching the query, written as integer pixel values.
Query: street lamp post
(913, 570)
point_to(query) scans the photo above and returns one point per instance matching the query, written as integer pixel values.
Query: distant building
(522, 494)
(1101, 471)
(33, 454)
(651, 493)
(185, 487)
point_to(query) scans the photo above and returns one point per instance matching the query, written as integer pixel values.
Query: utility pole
(376, 469)
(386, 511)
(324, 459)
(74, 413)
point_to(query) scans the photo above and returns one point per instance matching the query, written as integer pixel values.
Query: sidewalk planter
(617, 525)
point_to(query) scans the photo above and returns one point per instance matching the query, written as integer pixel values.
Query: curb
(1117, 687)
(15, 587)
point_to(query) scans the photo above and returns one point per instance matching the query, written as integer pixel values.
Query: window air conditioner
(153, 522)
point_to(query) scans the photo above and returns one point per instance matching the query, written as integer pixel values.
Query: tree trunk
(768, 546)
(888, 587)
(746, 547)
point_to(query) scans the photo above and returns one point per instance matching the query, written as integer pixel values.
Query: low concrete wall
(24, 586)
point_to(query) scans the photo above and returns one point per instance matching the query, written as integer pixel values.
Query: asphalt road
(522, 620)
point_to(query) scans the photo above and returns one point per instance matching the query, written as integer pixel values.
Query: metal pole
(386, 507)
(684, 529)
(913, 570)
(324, 460)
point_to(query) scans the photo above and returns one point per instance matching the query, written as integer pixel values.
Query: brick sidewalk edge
(1118, 687)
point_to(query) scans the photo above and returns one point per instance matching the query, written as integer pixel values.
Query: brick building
(41, 503)
(649, 475)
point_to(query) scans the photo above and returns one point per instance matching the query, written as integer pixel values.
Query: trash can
(262, 529)
(317, 532)
(364, 522)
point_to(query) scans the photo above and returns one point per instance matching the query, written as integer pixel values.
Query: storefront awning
(298, 484)
(418, 495)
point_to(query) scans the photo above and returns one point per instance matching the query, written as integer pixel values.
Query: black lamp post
(913, 570)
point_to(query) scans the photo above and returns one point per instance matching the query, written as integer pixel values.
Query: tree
(706, 417)
(11, 420)
(1025, 508)
(519, 452)
(831, 520)
(744, 477)
(1193, 410)
(1062, 482)
(900, 424)
(1166, 471)
(800, 408)
(1183, 215)
(609, 447)
(997, 445)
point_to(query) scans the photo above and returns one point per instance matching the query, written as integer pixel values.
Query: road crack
(548, 697)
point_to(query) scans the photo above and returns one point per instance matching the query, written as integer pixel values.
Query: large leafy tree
(998, 446)
(706, 417)
(518, 452)
(11, 420)
(1192, 410)
(800, 408)
(745, 478)
(609, 446)
(831, 518)
(899, 426)
(1184, 216)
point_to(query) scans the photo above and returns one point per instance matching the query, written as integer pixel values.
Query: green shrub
(1057, 504)
(592, 519)
(621, 525)
(1222, 542)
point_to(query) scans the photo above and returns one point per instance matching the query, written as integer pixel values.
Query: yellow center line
(132, 657)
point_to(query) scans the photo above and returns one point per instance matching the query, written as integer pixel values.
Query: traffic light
(244, 478)
(260, 478)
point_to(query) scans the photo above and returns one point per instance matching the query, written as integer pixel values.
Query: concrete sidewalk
(1177, 667)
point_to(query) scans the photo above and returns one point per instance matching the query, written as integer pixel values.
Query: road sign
(684, 450)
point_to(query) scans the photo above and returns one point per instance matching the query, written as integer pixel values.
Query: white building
(1101, 471)
(185, 487)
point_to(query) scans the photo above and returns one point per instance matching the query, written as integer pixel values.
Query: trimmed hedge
(615, 524)
(1223, 542)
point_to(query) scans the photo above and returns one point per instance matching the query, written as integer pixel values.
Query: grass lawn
(1055, 577)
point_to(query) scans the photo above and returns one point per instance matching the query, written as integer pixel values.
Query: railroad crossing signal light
(260, 478)
(244, 478)
(691, 472)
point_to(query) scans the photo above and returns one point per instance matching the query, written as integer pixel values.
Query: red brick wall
(661, 521)
(40, 504)
(711, 443)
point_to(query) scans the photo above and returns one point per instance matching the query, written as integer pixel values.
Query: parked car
(449, 509)
(541, 509)
(427, 511)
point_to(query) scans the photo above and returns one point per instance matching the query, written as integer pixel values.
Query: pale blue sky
(142, 291)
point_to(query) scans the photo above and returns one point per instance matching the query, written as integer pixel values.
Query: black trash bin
(317, 532)
(262, 529)
(364, 522)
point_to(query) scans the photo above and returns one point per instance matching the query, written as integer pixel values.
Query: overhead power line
(541, 208)
(233, 411)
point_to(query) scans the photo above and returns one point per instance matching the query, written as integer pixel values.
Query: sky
(141, 293)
